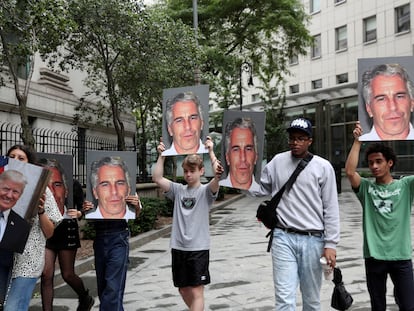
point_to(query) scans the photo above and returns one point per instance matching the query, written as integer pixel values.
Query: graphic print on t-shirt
(188, 203)
(383, 206)
(383, 199)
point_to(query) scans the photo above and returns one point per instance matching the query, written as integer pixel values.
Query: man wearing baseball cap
(308, 219)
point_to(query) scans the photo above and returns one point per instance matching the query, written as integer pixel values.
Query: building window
(342, 78)
(315, 6)
(316, 47)
(370, 29)
(317, 84)
(341, 38)
(339, 1)
(255, 98)
(23, 62)
(402, 18)
(294, 89)
(294, 59)
(23, 70)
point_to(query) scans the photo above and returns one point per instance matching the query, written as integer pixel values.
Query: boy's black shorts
(190, 268)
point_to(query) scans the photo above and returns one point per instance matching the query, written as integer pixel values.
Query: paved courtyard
(240, 267)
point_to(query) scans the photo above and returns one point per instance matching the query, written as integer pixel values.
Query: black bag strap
(302, 164)
(287, 186)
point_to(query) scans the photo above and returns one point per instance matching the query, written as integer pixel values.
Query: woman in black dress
(64, 242)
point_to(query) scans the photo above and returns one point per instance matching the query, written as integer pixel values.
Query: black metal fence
(75, 143)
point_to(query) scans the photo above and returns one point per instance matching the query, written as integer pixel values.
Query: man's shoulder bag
(266, 212)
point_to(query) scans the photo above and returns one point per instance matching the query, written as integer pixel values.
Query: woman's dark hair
(386, 151)
(30, 153)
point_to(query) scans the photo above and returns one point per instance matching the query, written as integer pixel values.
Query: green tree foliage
(275, 130)
(28, 27)
(130, 54)
(99, 45)
(165, 56)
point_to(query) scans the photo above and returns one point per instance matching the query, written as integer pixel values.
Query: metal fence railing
(52, 141)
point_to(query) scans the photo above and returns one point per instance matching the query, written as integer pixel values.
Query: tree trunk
(142, 159)
(27, 134)
(116, 119)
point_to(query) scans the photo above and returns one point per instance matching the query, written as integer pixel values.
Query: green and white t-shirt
(387, 218)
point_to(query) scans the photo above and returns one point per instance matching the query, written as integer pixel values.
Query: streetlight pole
(245, 67)
(195, 26)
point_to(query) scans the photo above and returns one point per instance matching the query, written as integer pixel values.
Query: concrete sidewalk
(240, 267)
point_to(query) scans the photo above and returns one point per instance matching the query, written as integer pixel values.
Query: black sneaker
(85, 303)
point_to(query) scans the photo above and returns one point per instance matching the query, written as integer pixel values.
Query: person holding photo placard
(28, 266)
(190, 236)
(387, 207)
(14, 230)
(111, 186)
(63, 244)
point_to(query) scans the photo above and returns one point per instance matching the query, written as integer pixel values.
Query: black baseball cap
(301, 124)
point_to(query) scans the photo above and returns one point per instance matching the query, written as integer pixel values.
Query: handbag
(266, 212)
(341, 299)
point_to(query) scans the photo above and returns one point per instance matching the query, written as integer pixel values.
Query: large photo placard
(64, 165)
(111, 178)
(385, 98)
(21, 187)
(242, 149)
(185, 120)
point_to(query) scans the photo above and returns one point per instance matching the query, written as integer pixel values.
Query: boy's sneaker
(86, 302)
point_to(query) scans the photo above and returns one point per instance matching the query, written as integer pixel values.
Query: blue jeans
(295, 260)
(111, 265)
(19, 294)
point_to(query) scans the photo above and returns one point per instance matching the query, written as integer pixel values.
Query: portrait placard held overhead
(386, 98)
(185, 120)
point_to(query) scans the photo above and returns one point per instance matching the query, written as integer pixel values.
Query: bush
(147, 217)
(166, 207)
(226, 190)
(88, 231)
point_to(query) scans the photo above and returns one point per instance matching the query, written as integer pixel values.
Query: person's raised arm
(46, 224)
(158, 174)
(217, 167)
(353, 157)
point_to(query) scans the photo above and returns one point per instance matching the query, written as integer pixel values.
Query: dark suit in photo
(16, 233)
